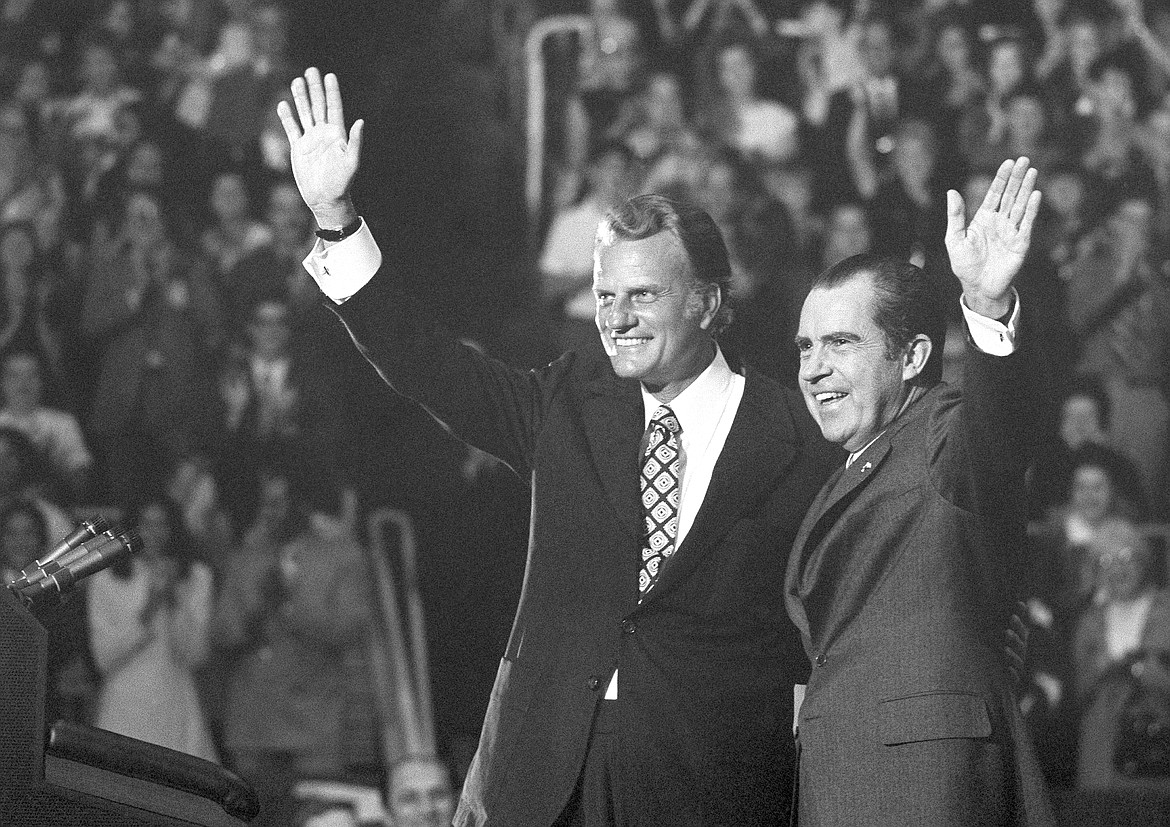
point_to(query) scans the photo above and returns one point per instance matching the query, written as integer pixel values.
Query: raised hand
(324, 158)
(986, 255)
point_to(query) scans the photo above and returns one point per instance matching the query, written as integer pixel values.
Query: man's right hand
(324, 162)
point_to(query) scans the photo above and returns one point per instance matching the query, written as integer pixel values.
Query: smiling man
(900, 579)
(648, 677)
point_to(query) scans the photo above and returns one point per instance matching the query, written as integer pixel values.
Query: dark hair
(179, 546)
(26, 455)
(907, 302)
(644, 216)
(19, 506)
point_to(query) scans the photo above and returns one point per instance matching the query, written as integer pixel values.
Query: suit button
(593, 682)
(821, 659)
(629, 626)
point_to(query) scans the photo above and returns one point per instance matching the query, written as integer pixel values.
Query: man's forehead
(662, 255)
(848, 299)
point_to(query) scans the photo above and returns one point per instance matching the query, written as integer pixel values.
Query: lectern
(71, 775)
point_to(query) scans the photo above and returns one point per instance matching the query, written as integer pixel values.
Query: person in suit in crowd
(641, 684)
(275, 407)
(153, 320)
(900, 574)
(1122, 659)
(295, 601)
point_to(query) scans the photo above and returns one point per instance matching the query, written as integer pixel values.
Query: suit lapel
(760, 448)
(612, 418)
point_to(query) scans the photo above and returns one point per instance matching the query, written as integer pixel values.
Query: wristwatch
(337, 235)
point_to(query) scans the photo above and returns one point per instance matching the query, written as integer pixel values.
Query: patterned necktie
(661, 473)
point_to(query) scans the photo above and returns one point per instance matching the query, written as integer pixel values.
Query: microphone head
(132, 540)
(97, 524)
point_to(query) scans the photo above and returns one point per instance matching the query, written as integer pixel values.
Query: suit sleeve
(985, 438)
(484, 402)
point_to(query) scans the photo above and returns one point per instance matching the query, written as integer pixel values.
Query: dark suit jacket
(900, 583)
(706, 663)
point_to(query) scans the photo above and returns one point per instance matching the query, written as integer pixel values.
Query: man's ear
(710, 300)
(915, 357)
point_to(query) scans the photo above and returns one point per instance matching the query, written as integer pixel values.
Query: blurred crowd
(165, 359)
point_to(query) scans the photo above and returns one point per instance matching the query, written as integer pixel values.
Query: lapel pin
(866, 467)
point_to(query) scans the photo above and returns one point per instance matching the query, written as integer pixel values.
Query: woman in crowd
(70, 682)
(1123, 667)
(149, 617)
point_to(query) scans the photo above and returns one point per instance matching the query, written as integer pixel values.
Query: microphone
(90, 528)
(98, 554)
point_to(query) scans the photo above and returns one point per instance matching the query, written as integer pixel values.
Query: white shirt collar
(694, 406)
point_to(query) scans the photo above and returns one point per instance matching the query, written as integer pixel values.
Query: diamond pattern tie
(661, 471)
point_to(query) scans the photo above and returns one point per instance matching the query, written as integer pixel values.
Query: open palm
(324, 157)
(987, 254)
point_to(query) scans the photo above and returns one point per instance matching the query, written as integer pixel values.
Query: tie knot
(665, 417)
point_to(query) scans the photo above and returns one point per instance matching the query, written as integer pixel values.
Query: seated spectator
(847, 233)
(233, 230)
(1113, 158)
(295, 601)
(1025, 133)
(658, 124)
(1084, 420)
(275, 408)
(71, 684)
(153, 320)
(102, 92)
(32, 189)
(763, 132)
(907, 207)
(148, 617)
(21, 478)
(984, 122)
(566, 260)
(1119, 307)
(420, 793)
(38, 310)
(55, 433)
(1123, 666)
(1064, 567)
(950, 84)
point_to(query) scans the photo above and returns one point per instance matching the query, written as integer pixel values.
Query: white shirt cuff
(342, 269)
(990, 335)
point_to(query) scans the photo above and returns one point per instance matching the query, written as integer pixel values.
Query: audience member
(153, 319)
(420, 793)
(22, 477)
(274, 409)
(295, 600)
(1123, 668)
(566, 261)
(70, 681)
(149, 616)
(1119, 307)
(56, 433)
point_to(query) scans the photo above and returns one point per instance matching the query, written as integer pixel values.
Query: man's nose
(619, 315)
(813, 365)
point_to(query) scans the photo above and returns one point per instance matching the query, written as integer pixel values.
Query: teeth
(829, 397)
(629, 342)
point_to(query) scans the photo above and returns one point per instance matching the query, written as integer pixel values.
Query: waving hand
(986, 255)
(324, 158)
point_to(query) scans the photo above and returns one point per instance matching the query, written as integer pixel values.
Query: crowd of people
(165, 355)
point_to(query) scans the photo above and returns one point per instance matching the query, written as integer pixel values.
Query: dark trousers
(621, 786)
